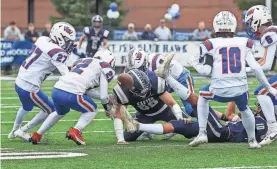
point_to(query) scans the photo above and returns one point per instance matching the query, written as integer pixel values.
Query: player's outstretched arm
(169, 100)
(63, 69)
(268, 59)
(259, 73)
(83, 37)
(93, 94)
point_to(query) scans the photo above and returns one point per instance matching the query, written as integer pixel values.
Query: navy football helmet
(97, 21)
(142, 85)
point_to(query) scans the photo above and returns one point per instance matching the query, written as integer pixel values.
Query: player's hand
(272, 91)
(109, 115)
(112, 100)
(187, 120)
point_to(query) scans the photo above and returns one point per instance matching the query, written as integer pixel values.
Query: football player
(259, 20)
(228, 55)
(148, 94)
(47, 54)
(216, 131)
(95, 36)
(73, 89)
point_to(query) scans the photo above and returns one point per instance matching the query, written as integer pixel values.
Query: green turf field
(102, 151)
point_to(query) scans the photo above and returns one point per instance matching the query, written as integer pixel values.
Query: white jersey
(269, 41)
(176, 69)
(229, 60)
(86, 74)
(44, 58)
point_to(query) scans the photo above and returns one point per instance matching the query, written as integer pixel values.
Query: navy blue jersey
(94, 39)
(152, 103)
(238, 133)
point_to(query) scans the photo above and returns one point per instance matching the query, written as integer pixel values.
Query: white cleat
(23, 135)
(122, 142)
(253, 144)
(11, 135)
(163, 70)
(202, 138)
(169, 136)
(145, 136)
(269, 138)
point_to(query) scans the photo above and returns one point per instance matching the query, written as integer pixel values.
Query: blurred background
(155, 25)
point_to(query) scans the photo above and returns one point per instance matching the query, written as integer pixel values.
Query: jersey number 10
(231, 62)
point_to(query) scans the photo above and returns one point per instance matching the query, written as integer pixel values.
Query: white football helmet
(95, 19)
(154, 61)
(64, 35)
(136, 59)
(256, 16)
(225, 21)
(106, 56)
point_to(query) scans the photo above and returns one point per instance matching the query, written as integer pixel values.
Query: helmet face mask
(64, 35)
(97, 21)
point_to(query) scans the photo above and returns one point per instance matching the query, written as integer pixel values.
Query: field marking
(38, 155)
(63, 132)
(242, 167)
(11, 122)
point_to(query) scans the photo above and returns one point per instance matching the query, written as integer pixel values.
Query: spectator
(12, 32)
(31, 34)
(148, 34)
(130, 34)
(201, 33)
(48, 27)
(163, 32)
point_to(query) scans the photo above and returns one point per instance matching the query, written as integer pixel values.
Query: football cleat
(35, 139)
(269, 138)
(23, 135)
(11, 135)
(75, 135)
(145, 136)
(163, 70)
(122, 142)
(202, 138)
(169, 136)
(253, 144)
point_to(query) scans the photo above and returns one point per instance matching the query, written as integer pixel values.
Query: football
(125, 80)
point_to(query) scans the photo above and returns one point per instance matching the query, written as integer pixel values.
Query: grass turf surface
(102, 152)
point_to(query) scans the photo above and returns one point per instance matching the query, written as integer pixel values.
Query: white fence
(183, 50)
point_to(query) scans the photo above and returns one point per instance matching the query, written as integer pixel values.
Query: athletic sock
(84, 120)
(267, 108)
(19, 118)
(50, 121)
(248, 122)
(178, 88)
(203, 113)
(151, 128)
(118, 128)
(39, 118)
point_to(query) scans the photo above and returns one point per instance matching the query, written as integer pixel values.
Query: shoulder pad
(86, 30)
(208, 45)
(120, 94)
(250, 43)
(158, 84)
(269, 37)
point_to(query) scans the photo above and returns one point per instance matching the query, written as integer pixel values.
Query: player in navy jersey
(95, 36)
(149, 97)
(216, 131)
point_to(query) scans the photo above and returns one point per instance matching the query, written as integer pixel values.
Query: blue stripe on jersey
(208, 44)
(54, 51)
(249, 43)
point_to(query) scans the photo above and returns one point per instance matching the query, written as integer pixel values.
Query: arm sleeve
(60, 66)
(271, 50)
(257, 69)
(204, 65)
(106, 34)
(93, 94)
(104, 96)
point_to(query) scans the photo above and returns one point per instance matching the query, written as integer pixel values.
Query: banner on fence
(14, 52)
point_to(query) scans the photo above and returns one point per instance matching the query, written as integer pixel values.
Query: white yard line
(63, 132)
(11, 122)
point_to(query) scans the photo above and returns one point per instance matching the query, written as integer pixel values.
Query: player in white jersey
(48, 53)
(259, 21)
(176, 74)
(73, 89)
(228, 56)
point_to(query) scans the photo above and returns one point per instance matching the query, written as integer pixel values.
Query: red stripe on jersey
(52, 52)
(249, 43)
(85, 104)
